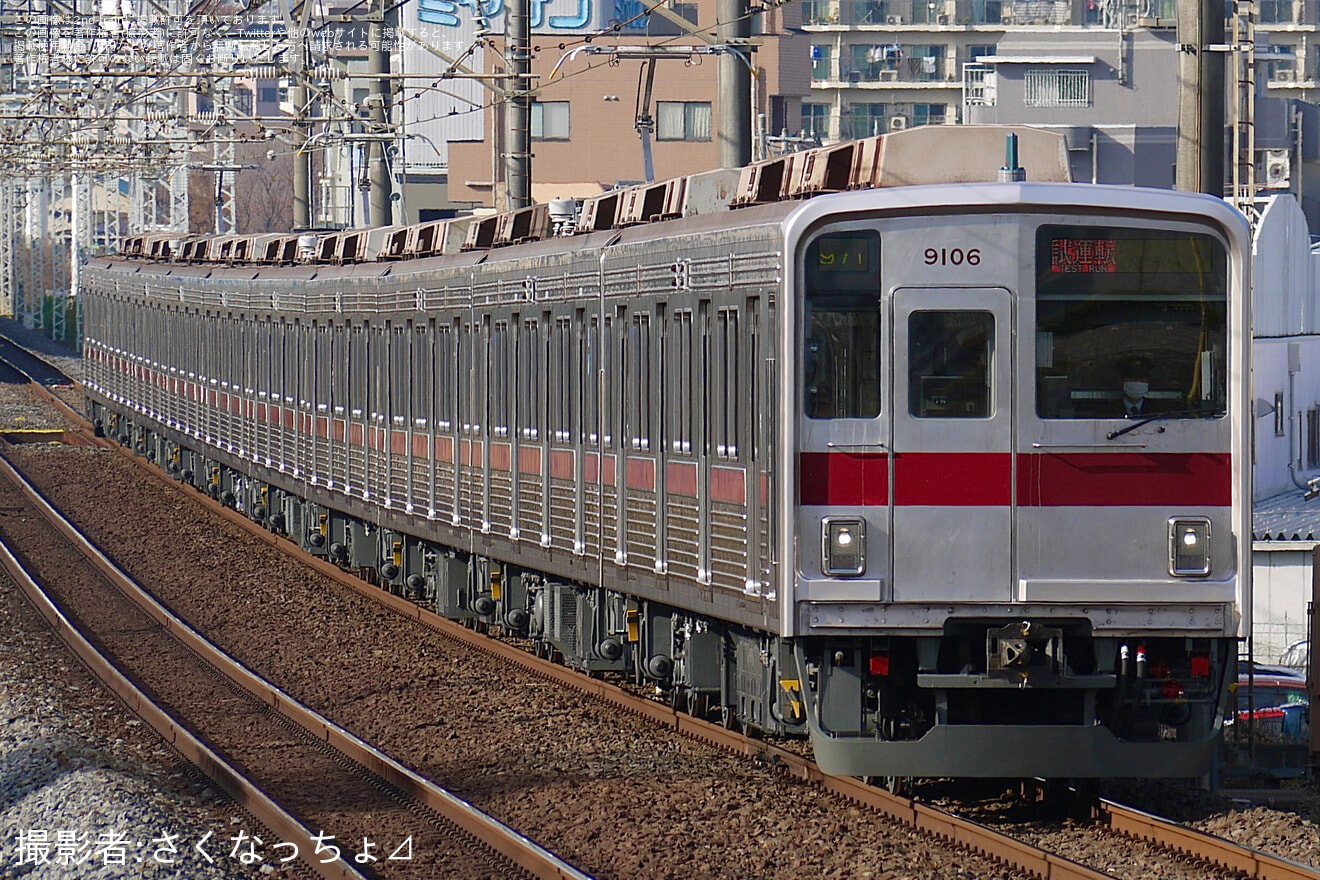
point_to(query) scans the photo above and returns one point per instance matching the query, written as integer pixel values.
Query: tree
(263, 192)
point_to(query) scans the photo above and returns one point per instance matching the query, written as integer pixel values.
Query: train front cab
(1013, 555)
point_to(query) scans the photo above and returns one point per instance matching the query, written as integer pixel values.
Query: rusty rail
(1253, 863)
(515, 847)
(1008, 851)
(244, 793)
(1037, 862)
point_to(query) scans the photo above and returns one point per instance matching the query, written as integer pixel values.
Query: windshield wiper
(1173, 414)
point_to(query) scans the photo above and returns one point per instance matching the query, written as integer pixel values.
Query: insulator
(323, 72)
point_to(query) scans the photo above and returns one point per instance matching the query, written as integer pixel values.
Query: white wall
(1301, 392)
(1281, 584)
(1285, 313)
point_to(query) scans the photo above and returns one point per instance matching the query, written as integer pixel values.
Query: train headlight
(1189, 546)
(843, 546)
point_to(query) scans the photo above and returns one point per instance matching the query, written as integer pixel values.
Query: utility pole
(1244, 109)
(518, 162)
(295, 30)
(378, 160)
(734, 84)
(302, 159)
(1201, 55)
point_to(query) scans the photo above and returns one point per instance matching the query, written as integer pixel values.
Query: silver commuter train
(876, 466)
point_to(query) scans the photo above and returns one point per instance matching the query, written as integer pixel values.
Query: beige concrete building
(584, 135)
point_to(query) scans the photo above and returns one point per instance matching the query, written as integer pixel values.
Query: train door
(952, 459)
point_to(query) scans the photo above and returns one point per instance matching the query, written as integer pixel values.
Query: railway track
(1178, 841)
(303, 778)
(1032, 860)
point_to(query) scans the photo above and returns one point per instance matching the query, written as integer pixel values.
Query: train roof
(886, 173)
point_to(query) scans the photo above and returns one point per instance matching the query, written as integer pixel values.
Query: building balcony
(985, 14)
(884, 79)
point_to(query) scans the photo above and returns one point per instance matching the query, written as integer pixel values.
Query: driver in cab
(1136, 385)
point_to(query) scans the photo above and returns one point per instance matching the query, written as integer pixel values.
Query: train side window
(562, 359)
(728, 387)
(400, 357)
(445, 369)
(590, 381)
(841, 326)
(530, 380)
(639, 341)
(681, 381)
(949, 357)
(422, 378)
(499, 381)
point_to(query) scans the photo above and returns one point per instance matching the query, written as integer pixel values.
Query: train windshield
(1130, 323)
(841, 349)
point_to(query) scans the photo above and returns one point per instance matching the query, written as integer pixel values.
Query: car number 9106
(953, 256)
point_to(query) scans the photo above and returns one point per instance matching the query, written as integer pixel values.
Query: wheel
(897, 785)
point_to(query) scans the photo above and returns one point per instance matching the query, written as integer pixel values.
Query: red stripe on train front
(1130, 479)
(845, 478)
(980, 479)
(959, 479)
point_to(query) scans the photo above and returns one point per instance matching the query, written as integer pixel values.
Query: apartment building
(1103, 73)
(585, 138)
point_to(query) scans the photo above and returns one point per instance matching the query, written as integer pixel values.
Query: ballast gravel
(87, 791)
(546, 762)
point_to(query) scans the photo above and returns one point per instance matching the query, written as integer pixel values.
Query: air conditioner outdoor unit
(1286, 76)
(893, 19)
(897, 123)
(942, 19)
(1276, 169)
(888, 75)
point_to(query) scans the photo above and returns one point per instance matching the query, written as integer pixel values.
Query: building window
(1058, 88)
(269, 95)
(662, 26)
(816, 120)
(819, 12)
(550, 120)
(1275, 12)
(928, 114)
(929, 13)
(926, 63)
(987, 12)
(975, 52)
(869, 12)
(1283, 71)
(682, 121)
(863, 120)
(243, 100)
(820, 62)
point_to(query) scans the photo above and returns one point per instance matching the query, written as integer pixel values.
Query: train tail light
(843, 550)
(880, 664)
(1189, 546)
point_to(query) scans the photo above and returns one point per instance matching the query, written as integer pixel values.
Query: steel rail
(1124, 820)
(1236, 857)
(922, 817)
(234, 783)
(518, 849)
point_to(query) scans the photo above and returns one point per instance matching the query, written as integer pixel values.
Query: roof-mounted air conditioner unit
(898, 123)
